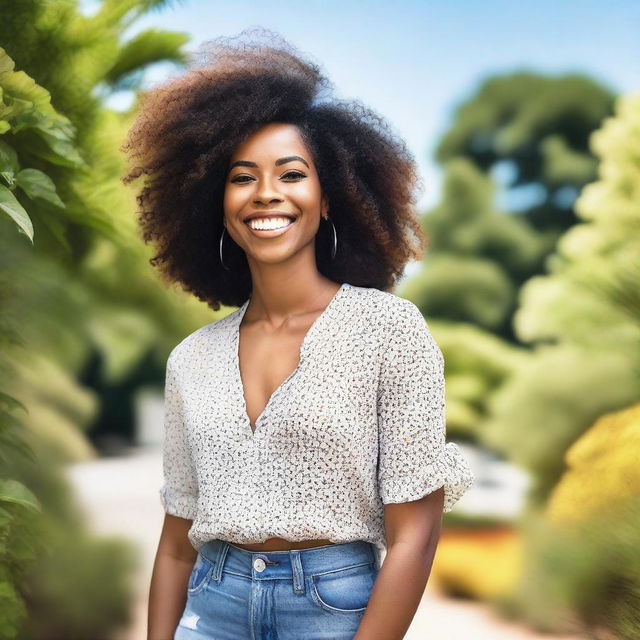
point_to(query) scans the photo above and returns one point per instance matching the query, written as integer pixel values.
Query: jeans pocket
(200, 574)
(346, 590)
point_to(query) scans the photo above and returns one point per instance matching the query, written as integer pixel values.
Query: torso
(270, 359)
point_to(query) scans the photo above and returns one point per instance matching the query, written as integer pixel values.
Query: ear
(324, 207)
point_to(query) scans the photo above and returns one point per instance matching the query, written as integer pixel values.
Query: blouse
(358, 424)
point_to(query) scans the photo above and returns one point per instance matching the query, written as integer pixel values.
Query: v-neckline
(250, 431)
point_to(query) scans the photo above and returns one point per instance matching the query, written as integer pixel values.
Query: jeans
(317, 593)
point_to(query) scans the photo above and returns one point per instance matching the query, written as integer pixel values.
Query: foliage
(576, 405)
(537, 127)
(30, 124)
(582, 577)
(476, 257)
(60, 170)
(579, 370)
(597, 266)
(20, 515)
(603, 468)
(541, 410)
(534, 130)
(81, 585)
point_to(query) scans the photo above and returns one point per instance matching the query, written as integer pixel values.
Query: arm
(174, 561)
(175, 556)
(412, 531)
(420, 476)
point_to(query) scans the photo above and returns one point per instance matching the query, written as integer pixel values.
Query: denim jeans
(317, 593)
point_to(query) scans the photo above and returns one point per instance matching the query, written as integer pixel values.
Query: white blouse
(358, 424)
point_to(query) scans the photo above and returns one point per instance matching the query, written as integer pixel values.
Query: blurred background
(525, 121)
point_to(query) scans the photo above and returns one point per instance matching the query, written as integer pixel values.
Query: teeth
(269, 223)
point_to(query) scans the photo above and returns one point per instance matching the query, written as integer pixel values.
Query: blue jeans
(317, 593)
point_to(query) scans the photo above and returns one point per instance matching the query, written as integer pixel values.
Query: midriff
(280, 544)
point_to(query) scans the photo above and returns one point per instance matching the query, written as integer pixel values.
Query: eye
(237, 178)
(295, 174)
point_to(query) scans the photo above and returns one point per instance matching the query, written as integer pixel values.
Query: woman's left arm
(412, 532)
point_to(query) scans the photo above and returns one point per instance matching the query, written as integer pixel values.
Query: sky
(413, 61)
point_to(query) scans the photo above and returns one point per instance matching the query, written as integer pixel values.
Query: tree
(581, 317)
(536, 128)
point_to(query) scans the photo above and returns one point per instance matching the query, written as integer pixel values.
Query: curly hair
(186, 130)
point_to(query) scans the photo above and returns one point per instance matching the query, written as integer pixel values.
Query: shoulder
(203, 340)
(386, 309)
(403, 332)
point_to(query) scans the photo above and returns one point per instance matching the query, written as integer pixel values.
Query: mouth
(271, 224)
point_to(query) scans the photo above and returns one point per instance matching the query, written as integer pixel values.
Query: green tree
(28, 123)
(476, 258)
(535, 128)
(582, 318)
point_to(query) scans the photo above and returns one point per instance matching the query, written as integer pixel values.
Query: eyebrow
(248, 163)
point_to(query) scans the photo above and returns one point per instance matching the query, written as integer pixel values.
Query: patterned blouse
(358, 424)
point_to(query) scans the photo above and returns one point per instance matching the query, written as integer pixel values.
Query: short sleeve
(414, 459)
(179, 493)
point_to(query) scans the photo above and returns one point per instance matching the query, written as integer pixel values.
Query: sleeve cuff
(178, 504)
(450, 471)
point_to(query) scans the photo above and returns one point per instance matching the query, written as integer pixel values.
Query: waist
(286, 563)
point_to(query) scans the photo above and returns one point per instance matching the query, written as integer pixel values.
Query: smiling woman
(304, 431)
(189, 143)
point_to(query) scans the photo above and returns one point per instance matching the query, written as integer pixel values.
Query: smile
(270, 226)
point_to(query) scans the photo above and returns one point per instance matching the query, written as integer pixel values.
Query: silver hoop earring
(335, 237)
(224, 266)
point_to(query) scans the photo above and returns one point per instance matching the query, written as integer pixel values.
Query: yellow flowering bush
(478, 563)
(603, 468)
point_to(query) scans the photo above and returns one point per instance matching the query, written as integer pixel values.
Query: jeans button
(259, 564)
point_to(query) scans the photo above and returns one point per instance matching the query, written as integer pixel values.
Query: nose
(266, 193)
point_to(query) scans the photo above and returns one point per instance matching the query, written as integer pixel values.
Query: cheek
(307, 195)
(230, 199)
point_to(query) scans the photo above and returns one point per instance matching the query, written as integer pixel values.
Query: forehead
(271, 142)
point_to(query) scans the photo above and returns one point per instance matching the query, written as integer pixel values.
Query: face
(272, 197)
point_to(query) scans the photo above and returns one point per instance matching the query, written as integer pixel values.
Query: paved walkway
(121, 497)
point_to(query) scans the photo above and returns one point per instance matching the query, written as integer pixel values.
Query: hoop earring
(335, 237)
(224, 266)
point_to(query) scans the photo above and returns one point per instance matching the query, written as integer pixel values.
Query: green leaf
(38, 185)
(57, 135)
(10, 205)
(19, 85)
(144, 49)
(58, 230)
(15, 492)
(8, 158)
(6, 63)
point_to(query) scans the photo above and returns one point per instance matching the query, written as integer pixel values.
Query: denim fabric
(318, 593)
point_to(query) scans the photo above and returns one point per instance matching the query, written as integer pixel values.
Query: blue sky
(413, 61)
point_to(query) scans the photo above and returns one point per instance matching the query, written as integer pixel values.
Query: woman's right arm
(174, 562)
(176, 555)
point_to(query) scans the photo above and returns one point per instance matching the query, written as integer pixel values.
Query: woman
(305, 430)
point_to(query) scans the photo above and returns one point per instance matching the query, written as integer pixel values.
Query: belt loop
(376, 556)
(298, 573)
(223, 548)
